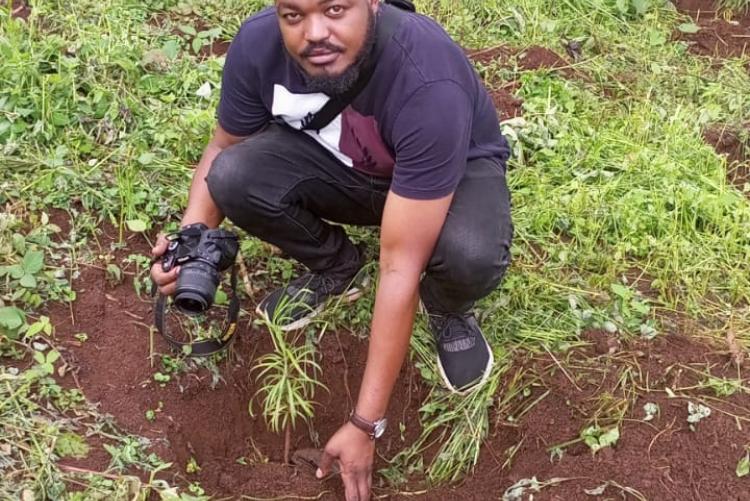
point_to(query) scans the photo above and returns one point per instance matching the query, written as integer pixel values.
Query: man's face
(327, 37)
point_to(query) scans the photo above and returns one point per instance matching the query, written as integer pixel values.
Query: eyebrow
(288, 5)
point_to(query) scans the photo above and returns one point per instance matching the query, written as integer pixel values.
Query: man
(418, 151)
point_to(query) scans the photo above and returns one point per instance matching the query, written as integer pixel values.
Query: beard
(332, 85)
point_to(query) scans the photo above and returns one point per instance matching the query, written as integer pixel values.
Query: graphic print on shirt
(351, 137)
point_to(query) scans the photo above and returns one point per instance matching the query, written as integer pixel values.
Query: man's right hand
(166, 282)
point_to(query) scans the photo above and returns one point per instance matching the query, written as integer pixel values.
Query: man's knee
(470, 263)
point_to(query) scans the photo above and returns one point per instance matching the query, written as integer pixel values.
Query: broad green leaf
(136, 225)
(689, 28)
(146, 158)
(52, 357)
(187, 29)
(39, 357)
(28, 281)
(35, 329)
(621, 290)
(609, 438)
(16, 271)
(11, 318)
(220, 297)
(33, 261)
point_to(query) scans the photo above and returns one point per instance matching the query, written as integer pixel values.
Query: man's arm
(409, 231)
(200, 208)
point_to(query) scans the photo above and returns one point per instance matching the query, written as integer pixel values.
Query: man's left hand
(355, 452)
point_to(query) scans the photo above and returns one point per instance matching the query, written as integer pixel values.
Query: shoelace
(455, 327)
(314, 282)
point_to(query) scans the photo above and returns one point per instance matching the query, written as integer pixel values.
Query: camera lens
(190, 303)
(196, 287)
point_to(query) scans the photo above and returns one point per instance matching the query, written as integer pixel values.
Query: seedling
(651, 410)
(743, 465)
(287, 378)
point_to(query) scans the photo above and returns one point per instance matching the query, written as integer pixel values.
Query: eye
(336, 10)
(292, 17)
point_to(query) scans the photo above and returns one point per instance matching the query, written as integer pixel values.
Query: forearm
(201, 207)
(393, 319)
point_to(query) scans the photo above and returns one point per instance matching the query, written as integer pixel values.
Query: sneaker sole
(475, 386)
(348, 297)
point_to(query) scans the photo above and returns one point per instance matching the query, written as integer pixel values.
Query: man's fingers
(324, 467)
(364, 486)
(160, 247)
(351, 488)
(161, 278)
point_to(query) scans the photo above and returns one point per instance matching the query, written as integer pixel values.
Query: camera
(202, 255)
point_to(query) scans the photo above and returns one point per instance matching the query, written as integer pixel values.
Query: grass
(99, 115)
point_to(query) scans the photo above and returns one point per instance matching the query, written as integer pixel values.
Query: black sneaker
(294, 306)
(464, 357)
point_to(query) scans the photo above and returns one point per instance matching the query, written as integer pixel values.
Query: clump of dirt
(718, 37)
(20, 9)
(507, 105)
(536, 57)
(500, 53)
(730, 143)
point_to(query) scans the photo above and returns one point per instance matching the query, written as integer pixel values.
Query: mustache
(317, 46)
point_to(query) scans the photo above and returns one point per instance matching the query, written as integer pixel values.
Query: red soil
(662, 458)
(20, 9)
(718, 37)
(736, 147)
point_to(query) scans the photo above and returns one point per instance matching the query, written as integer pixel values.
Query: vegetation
(105, 106)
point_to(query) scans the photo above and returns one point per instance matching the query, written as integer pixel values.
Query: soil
(530, 58)
(661, 459)
(730, 143)
(718, 37)
(20, 9)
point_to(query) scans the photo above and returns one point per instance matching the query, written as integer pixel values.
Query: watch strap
(363, 424)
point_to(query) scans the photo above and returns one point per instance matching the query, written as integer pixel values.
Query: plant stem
(287, 442)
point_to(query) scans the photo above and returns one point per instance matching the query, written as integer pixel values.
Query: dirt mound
(737, 150)
(717, 37)
(507, 105)
(20, 9)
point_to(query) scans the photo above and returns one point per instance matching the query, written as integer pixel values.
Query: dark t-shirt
(423, 114)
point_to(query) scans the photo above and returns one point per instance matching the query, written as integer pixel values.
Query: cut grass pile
(105, 106)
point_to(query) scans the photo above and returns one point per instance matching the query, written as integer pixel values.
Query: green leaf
(52, 357)
(621, 290)
(220, 297)
(136, 225)
(33, 261)
(197, 44)
(641, 6)
(28, 281)
(610, 437)
(187, 29)
(689, 28)
(743, 467)
(71, 445)
(35, 329)
(11, 318)
(39, 357)
(16, 271)
(146, 158)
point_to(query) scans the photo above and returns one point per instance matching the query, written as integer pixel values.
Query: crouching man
(417, 150)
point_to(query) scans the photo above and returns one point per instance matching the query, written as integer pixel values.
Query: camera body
(202, 255)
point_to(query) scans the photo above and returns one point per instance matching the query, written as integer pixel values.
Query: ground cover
(621, 332)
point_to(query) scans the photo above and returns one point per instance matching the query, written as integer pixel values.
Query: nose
(316, 29)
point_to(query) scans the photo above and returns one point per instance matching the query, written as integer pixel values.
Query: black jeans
(284, 188)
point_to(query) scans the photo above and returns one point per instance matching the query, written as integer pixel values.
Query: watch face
(380, 426)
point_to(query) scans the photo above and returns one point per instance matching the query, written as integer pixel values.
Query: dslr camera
(202, 255)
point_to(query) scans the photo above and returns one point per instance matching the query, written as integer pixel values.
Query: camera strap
(204, 347)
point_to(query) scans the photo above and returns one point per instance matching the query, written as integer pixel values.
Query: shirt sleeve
(241, 110)
(431, 138)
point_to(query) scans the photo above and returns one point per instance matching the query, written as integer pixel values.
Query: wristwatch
(374, 429)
